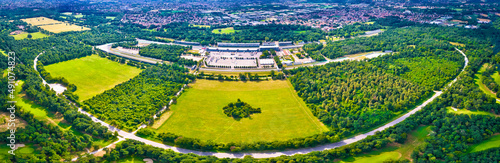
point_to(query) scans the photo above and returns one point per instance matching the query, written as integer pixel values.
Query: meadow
(468, 112)
(479, 76)
(95, 74)
(393, 151)
(198, 112)
(35, 35)
(28, 149)
(227, 30)
(492, 142)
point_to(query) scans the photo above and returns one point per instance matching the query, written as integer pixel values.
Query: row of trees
(134, 102)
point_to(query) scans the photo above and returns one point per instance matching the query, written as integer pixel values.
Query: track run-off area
(131, 135)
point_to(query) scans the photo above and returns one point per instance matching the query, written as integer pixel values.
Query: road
(128, 135)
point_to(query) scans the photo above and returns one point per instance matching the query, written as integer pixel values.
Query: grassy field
(198, 112)
(35, 35)
(64, 27)
(492, 142)
(110, 17)
(393, 151)
(227, 30)
(28, 149)
(202, 26)
(95, 74)
(479, 76)
(468, 112)
(3, 52)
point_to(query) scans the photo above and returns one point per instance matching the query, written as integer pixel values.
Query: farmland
(53, 26)
(95, 75)
(284, 115)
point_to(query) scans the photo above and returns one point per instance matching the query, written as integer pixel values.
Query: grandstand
(288, 43)
(222, 44)
(187, 43)
(268, 44)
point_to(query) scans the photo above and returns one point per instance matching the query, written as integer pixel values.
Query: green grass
(227, 30)
(92, 74)
(394, 152)
(28, 149)
(201, 26)
(40, 112)
(468, 112)
(198, 112)
(496, 77)
(479, 77)
(299, 31)
(35, 35)
(78, 16)
(3, 52)
(492, 142)
(110, 17)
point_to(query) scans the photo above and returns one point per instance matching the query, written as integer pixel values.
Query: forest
(134, 102)
(350, 97)
(170, 53)
(313, 50)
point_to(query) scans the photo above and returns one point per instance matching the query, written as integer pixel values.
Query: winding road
(128, 135)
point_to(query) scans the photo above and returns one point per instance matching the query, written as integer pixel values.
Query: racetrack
(354, 139)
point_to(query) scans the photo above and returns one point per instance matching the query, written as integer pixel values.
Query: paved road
(354, 139)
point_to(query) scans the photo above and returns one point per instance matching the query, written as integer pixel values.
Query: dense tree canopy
(134, 102)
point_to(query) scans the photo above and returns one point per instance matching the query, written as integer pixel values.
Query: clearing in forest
(227, 30)
(199, 114)
(393, 151)
(92, 75)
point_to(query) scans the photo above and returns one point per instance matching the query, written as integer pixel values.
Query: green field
(394, 152)
(94, 74)
(479, 76)
(26, 150)
(35, 35)
(227, 30)
(198, 112)
(110, 17)
(3, 52)
(492, 142)
(468, 112)
(202, 26)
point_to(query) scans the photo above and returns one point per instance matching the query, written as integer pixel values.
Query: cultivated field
(52, 25)
(227, 30)
(92, 75)
(35, 35)
(198, 112)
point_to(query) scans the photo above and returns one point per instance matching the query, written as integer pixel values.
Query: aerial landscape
(229, 81)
